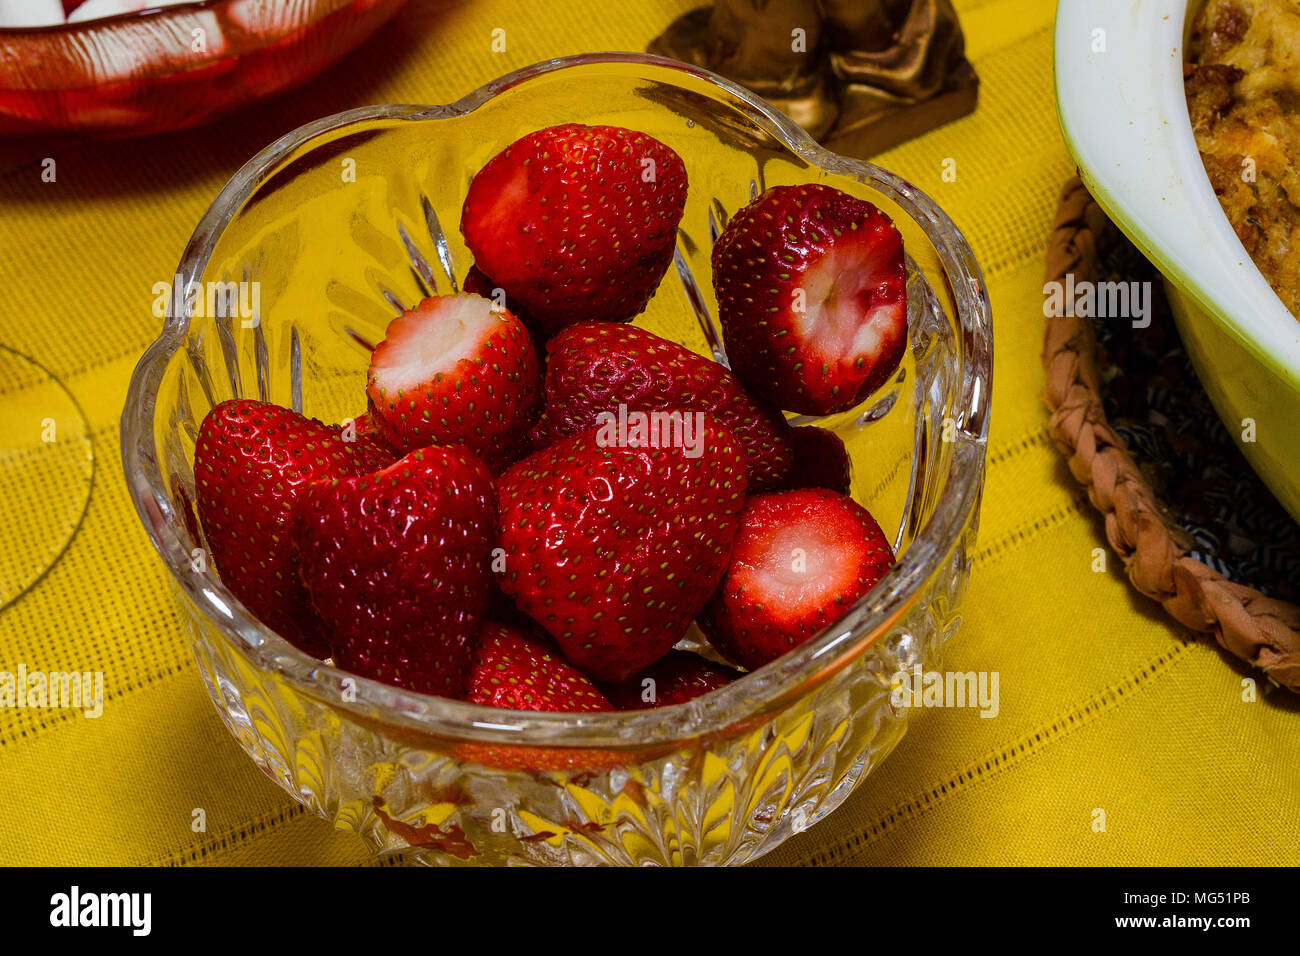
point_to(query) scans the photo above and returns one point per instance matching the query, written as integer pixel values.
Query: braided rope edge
(1261, 631)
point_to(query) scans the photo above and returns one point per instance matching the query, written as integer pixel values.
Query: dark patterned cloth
(1154, 400)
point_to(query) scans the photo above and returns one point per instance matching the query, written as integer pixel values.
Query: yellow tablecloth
(1103, 705)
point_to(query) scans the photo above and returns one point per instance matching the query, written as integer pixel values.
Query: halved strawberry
(820, 460)
(577, 222)
(519, 671)
(801, 559)
(396, 563)
(675, 678)
(478, 283)
(251, 462)
(615, 549)
(595, 367)
(455, 370)
(812, 295)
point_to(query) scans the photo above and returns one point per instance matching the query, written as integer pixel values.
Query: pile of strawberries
(506, 524)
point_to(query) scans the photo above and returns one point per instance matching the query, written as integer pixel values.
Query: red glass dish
(171, 67)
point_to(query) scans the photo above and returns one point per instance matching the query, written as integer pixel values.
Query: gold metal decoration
(859, 75)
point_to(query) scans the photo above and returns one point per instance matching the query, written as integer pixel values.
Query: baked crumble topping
(1243, 94)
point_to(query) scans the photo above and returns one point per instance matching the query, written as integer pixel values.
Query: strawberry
(396, 563)
(360, 427)
(820, 460)
(517, 671)
(675, 678)
(455, 370)
(477, 283)
(577, 222)
(811, 290)
(594, 367)
(251, 462)
(801, 560)
(368, 441)
(614, 549)
(502, 609)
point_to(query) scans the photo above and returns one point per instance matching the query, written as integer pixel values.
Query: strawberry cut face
(427, 344)
(801, 559)
(455, 370)
(852, 300)
(795, 567)
(812, 297)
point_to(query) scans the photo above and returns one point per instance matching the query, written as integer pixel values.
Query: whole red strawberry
(594, 367)
(368, 440)
(801, 560)
(820, 460)
(577, 222)
(615, 549)
(518, 671)
(455, 370)
(812, 295)
(675, 678)
(396, 563)
(251, 461)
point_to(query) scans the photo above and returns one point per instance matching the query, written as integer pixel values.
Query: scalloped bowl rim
(783, 680)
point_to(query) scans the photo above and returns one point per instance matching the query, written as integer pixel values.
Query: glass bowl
(349, 219)
(171, 67)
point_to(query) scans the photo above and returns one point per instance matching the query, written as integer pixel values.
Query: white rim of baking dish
(1123, 111)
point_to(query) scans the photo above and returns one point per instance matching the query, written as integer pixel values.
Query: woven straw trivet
(1159, 555)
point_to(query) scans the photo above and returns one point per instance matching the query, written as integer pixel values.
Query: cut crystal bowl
(347, 221)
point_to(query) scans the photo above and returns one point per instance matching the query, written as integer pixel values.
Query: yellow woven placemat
(1116, 740)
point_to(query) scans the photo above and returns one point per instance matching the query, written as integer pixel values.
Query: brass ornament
(862, 76)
